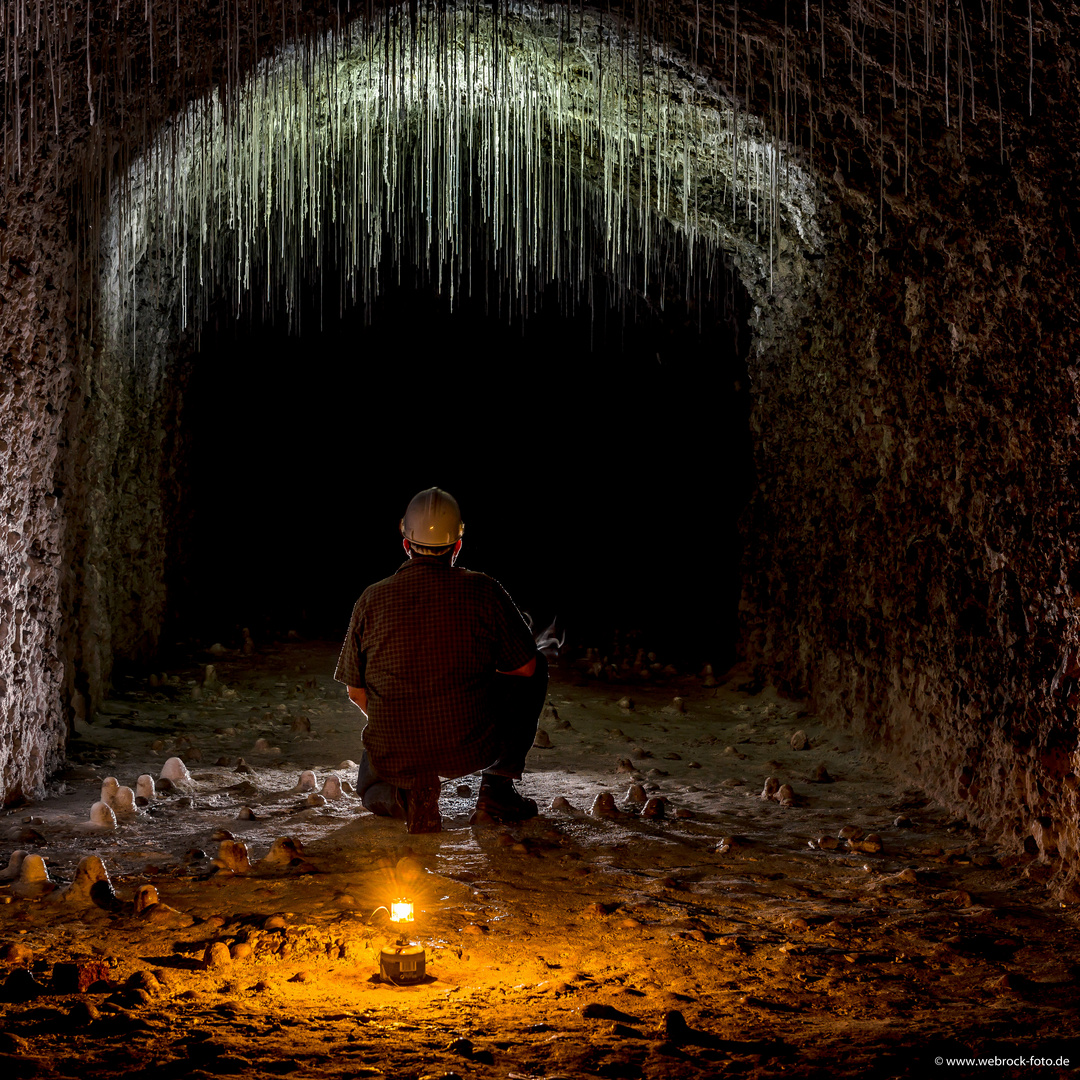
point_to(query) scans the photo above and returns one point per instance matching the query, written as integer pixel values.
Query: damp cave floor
(569, 946)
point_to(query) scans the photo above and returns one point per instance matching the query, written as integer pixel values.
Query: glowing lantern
(401, 910)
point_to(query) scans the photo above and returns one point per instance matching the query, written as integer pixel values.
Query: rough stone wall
(37, 353)
(914, 543)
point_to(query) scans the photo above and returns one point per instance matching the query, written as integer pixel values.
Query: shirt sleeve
(352, 661)
(514, 643)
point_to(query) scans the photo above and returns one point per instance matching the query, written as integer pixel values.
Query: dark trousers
(518, 703)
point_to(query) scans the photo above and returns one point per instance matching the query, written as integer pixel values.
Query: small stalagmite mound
(542, 740)
(91, 885)
(175, 771)
(109, 787)
(283, 853)
(145, 789)
(772, 786)
(656, 807)
(308, 781)
(561, 802)
(102, 816)
(145, 896)
(232, 857)
(635, 794)
(346, 765)
(123, 803)
(315, 799)
(33, 880)
(11, 871)
(603, 805)
(331, 789)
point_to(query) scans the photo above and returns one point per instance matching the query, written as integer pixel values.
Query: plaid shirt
(425, 644)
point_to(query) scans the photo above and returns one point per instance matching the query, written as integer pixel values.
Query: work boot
(422, 806)
(499, 802)
(384, 799)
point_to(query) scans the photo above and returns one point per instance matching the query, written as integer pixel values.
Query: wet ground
(734, 934)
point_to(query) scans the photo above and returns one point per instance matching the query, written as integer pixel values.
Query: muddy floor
(722, 931)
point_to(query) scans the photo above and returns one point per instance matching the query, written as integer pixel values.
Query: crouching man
(446, 671)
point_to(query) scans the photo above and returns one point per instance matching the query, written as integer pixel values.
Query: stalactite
(417, 134)
(626, 132)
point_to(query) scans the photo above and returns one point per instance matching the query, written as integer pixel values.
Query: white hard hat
(432, 519)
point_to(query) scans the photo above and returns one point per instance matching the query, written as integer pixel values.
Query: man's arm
(358, 695)
(525, 670)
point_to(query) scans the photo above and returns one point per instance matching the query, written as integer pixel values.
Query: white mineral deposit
(102, 816)
(145, 789)
(33, 880)
(175, 771)
(308, 781)
(123, 803)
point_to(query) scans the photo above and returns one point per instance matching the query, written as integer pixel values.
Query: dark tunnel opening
(601, 458)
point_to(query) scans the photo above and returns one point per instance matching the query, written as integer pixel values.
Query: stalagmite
(91, 884)
(283, 851)
(175, 771)
(331, 788)
(109, 787)
(145, 896)
(102, 816)
(11, 871)
(308, 781)
(232, 857)
(144, 789)
(603, 805)
(635, 794)
(33, 880)
(123, 803)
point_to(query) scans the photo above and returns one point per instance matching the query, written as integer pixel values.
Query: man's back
(426, 643)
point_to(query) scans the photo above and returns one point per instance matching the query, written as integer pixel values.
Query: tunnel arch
(389, 125)
(574, 148)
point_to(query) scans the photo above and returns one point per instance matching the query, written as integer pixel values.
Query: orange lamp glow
(401, 910)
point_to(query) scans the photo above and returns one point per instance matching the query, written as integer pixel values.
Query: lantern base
(402, 964)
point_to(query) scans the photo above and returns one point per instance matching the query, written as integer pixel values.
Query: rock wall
(37, 354)
(914, 541)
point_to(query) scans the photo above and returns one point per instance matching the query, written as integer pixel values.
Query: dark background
(600, 459)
